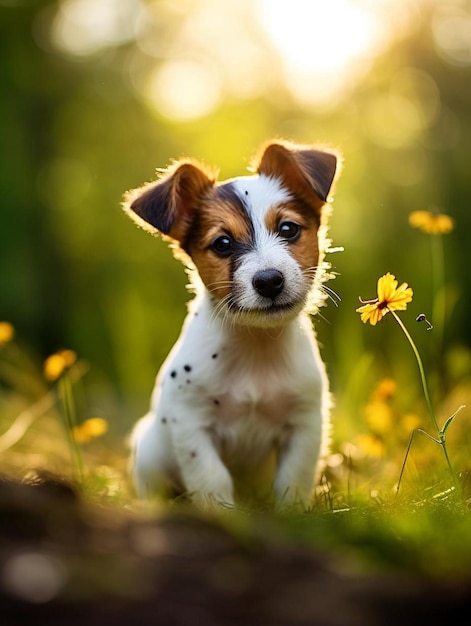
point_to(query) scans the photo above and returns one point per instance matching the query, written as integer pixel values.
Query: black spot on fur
(173, 374)
(187, 368)
(227, 192)
(214, 356)
(164, 420)
(216, 402)
(193, 454)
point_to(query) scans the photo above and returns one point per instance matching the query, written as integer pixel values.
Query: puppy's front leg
(297, 464)
(204, 475)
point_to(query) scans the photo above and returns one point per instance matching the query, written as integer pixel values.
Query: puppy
(245, 378)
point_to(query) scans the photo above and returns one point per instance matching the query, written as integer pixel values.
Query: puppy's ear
(167, 205)
(302, 169)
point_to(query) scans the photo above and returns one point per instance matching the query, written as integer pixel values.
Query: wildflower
(378, 412)
(57, 363)
(379, 416)
(90, 429)
(370, 445)
(410, 422)
(384, 390)
(390, 298)
(7, 332)
(432, 223)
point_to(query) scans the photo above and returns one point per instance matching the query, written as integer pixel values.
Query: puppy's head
(256, 241)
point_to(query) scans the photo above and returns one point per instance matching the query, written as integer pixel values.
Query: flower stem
(441, 435)
(65, 392)
(439, 303)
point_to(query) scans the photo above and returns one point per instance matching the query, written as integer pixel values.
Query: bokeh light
(98, 94)
(194, 53)
(451, 28)
(184, 90)
(85, 27)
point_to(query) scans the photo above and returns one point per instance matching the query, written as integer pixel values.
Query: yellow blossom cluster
(56, 364)
(90, 429)
(431, 223)
(7, 332)
(382, 420)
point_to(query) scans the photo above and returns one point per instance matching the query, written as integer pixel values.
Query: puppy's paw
(208, 501)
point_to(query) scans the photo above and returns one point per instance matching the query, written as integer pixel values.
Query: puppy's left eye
(289, 231)
(223, 245)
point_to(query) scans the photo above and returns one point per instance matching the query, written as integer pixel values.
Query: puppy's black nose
(268, 283)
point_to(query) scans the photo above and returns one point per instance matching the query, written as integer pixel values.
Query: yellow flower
(379, 417)
(384, 390)
(370, 445)
(390, 298)
(410, 422)
(7, 332)
(432, 223)
(56, 364)
(90, 429)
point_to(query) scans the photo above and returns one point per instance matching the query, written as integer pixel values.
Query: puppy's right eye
(223, 245)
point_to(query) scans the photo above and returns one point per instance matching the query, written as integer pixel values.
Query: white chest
(247, 385)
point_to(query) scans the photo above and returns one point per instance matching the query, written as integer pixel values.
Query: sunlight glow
(192, 55)
(184, 90)
(318, 36)
(321, 44)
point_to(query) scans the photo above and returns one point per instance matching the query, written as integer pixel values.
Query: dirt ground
(63, 561)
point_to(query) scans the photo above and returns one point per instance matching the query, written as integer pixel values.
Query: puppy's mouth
(275, 307)
(270, 309)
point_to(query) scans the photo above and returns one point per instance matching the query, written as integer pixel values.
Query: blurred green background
(96, 94)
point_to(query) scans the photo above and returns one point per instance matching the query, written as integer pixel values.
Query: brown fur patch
(217, 217)
(306, 248)
(307, 171)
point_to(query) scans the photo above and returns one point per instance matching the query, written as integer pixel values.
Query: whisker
(220, 284)
(221, 307)
(323, 318)
(333, 295)
(319, 274)
(312, 272)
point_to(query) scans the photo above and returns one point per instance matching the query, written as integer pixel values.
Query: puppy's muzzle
(268, 283)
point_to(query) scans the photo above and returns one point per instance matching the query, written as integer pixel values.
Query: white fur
(238, 384)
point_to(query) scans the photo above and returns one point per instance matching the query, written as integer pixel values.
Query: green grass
(358, 515)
